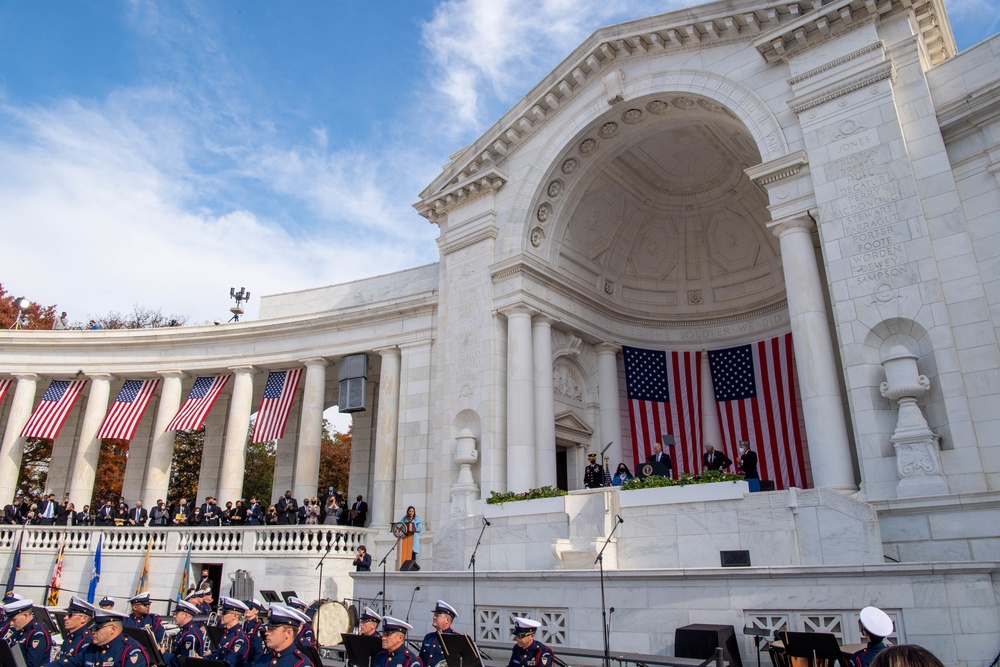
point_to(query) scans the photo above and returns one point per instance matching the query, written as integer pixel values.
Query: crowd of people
(659, 463)
(330, 508)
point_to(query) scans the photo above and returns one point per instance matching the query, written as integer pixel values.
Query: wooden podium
(404, 550)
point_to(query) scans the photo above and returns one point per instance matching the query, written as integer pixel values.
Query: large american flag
(664, 398)
(126, 412)
(4, 386)
(200, 400)
(756, 396)
(276, 404)
(50, 414)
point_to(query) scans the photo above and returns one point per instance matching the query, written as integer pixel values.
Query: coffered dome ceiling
(651, 209)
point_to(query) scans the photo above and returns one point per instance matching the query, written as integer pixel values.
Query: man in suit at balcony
(359, 512)
(287, 508)
(137, 516)
(255, 513)
(47, 510)
(181, 513)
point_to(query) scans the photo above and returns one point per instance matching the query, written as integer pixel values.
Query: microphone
(377, 595)
(620, 519)
(486, 521)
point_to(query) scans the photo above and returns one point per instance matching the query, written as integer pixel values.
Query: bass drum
(330, 618)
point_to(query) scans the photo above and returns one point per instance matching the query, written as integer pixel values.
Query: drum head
(330, 621)
(352, 617)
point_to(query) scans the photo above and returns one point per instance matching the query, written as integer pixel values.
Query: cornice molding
(488, 181)
(488, 234)
(874, 74)
(874, 46)
(784, 167)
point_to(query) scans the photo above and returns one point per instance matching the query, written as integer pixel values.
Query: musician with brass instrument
(190, 643)
(431, 651)
(141, 617)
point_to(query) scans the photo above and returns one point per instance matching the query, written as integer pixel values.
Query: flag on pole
(53, 599)
(15, 566)
(200, 400)
(664, 398)
(126, 412)
(186, 576)
(51, 412)
(757, 400)
(95, 573)
(276, 404)
(4, 386)
(144, 577)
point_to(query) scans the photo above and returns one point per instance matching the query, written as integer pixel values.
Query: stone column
(305, 478)
(609, 398)
(161, 451)
(235, 447)
(13, 444)
(545, 411)
(711, 430)
(520, 401)
(88, 450)
(826, 429)
(383, 498)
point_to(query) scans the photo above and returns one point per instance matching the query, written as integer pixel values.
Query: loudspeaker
(735, 558)
(409, 565)
(767, 485)
(352, 395)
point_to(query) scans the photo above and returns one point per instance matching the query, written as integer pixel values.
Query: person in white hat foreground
(190, 642)
(431, 651)
(34, 640)
(368, 624)
(110, 647)
(875, 626)
(395, 652)
(141, 617)
(282, 626)
(234, 647)
(528, 652)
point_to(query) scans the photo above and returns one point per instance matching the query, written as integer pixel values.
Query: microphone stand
(604, 608)
(320, 568)
(415, 589)
(472, 564)
(382, 565)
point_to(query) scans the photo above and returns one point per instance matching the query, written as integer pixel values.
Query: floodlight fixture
(240, 297)
(22, 304)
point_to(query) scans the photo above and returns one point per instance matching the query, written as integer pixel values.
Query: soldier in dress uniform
(593, 476)
(528, 652)
(431, 651)
(875, 626)
(253, 627)
(395, 652)
(141, 617)
(79, 616)
(34, 640)
(109, 648)
(4, 618)
(234, 647)
(106, 603)
(282, 628)
(368, 623)
(190, 642)
(306, 636)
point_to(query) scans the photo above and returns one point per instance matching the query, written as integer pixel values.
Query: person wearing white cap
(395, 652)
(142, 618)
(528, 652)
(190, 642)
(875, 626)
(368, 623)
(34, 640)
(431, 651)
(234, 647)
(253, 628)
(106, 602)
(282, 627)
(110, 646)
(79, 614)
(306, 635)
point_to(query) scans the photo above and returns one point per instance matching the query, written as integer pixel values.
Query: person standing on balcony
(287, 508)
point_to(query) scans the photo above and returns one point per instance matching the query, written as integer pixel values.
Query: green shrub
(657, 481)
(531, 494)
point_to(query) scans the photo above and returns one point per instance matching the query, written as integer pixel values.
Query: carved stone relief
(566, 382)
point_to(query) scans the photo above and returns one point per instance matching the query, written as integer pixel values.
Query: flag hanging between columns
(664, 398)
(756, 397)
(200, 400)
(53, 599)
(275, 405)
(95, 573)
(50, 414)
(144, 577)
(4, 386)
(126, 412)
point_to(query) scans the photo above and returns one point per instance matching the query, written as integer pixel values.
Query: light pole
(22, 304)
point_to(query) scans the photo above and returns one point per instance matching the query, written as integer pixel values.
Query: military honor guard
(190, 642)
(431, 651)
(395, 652)
(253, 627)
(368, 623)
(282, 628)
(593, 475)
(27, 633)
(306, 636)
(79, 616)
(141, 617)
(109, 646)
(528, 652)
(875, 626)
(234, 647)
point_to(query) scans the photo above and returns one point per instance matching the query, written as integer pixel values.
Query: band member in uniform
(106, 603)
(875, 626)
(190, 642)
(593, 476)
(109, 648)
(34, 640)
(395, 652)
(77, 621)
(431, 652)
(253, 627)
(306, 636)
(714, 460)
(282, 628)
(528, 652)
(368, 623)
(4, 618)
(234, 648)
(142, 618)
(746, 463)
(660, 461)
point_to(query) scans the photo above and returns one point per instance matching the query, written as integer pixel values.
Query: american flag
(664, 398)
(194, 412)
(276, 404)
(4, 386)
(756, 396)
(51, 412)
(126, 412)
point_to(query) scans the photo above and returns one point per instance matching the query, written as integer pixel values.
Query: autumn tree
(36, 316)
(258, 475)
(335, 458)
(185, 469)
(139, 318)
(34, 467)
(111, 463)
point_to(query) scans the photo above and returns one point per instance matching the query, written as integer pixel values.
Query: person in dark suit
(359, 512)
(287, 508)
(137, 516)
(363, 560)
(715, 460)
(47, 510)
(12, 514)
(255, 513)
(180, 514)
(211, 513)
(746, 463)
(106, 515)
(660, 460)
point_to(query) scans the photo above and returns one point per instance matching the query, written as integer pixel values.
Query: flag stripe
(126, 412)
(276, 404)
(4, 386)
(194, 411)
(51, 412)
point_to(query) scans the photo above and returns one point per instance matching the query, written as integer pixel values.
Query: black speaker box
(409, 565)
(735, 558)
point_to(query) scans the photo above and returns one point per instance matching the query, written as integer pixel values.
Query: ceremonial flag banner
(276, 404)
(144, 577)
(56, 583)
(51, 412)
(15, 566)
(193, 413)
(186, 577)
(756, 397)
(4, 386)
(95, 573)
(664, 399)
(126, 412)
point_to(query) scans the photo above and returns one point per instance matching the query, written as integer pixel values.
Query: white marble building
(689, 181)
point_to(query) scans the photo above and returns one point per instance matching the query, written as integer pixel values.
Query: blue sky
(160, 153)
